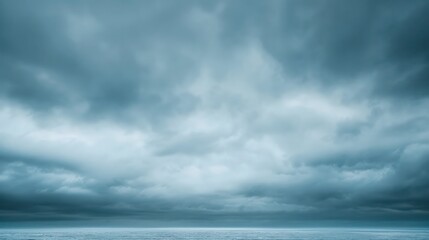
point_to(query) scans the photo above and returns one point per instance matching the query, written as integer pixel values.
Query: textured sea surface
(214, 234)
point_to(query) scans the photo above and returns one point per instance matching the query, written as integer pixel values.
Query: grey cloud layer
(225, 111)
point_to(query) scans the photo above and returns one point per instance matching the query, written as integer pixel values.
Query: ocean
(213, 234)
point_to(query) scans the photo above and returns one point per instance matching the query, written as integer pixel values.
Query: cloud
(214, 112)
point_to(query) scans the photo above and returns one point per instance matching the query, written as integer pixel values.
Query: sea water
(213, 234)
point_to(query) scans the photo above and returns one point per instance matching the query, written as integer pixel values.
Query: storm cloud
(214, 112)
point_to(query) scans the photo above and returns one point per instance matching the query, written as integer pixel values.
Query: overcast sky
(214, 113)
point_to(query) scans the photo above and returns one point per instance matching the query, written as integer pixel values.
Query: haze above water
(214, 234)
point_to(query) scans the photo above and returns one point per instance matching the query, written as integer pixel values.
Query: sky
(214, 113)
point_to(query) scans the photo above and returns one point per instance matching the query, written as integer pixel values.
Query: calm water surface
(214, 234)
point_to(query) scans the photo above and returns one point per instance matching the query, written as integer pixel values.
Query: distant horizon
(129, 224)
(372, 228)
